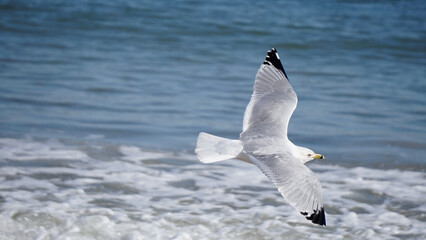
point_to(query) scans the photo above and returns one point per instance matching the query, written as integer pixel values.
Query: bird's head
(307, 155)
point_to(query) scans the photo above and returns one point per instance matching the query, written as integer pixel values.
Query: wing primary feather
(273, 58)
(320, 217)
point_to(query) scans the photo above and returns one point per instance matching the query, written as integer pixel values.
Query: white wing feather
(296, 183)
(271, 105)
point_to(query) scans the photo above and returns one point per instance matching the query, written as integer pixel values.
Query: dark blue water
(155, 73)
(101, 103)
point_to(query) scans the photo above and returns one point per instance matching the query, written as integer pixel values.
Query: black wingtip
(273, 58)
(318, 217)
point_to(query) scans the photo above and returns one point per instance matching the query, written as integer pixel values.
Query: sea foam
(51, 189)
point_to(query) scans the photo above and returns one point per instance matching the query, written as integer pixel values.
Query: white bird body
(264, 142)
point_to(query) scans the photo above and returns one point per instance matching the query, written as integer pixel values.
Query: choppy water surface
(101, 103)
(112, 192)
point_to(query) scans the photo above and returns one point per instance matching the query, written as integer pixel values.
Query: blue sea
(101, 103)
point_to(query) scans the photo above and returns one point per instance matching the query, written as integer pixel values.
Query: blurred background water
(101, 101)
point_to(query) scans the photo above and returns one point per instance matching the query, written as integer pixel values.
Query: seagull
(264, 142)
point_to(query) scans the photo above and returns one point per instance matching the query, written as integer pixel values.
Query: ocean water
(101, 103)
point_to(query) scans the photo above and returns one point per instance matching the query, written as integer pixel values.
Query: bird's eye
(309, 154)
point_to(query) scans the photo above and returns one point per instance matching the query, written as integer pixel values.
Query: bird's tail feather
(212, 148)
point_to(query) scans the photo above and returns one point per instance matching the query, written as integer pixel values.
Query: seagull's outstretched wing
(296, 183)
(272, 103)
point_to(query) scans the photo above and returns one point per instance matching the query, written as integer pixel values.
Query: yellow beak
(319, 156)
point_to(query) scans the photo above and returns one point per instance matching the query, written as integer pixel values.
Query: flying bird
(264, 141)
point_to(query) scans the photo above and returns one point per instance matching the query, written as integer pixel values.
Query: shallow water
(61, 190)
(101, 103)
